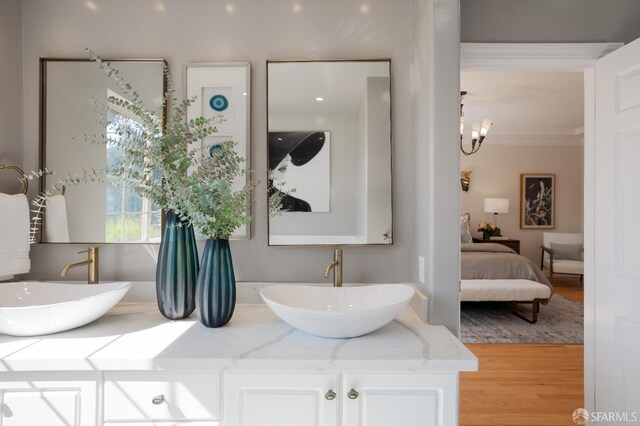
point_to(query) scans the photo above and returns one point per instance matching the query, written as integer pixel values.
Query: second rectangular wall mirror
(329, 151)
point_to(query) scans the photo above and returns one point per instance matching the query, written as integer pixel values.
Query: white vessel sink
(337, 312)
(33, 308)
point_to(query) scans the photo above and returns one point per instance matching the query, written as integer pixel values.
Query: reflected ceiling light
(244, 93)
(230, 8)
(91, 5)
(364, 8)
(478, 132)
(296, 7)
(319, 99)
(160, 7)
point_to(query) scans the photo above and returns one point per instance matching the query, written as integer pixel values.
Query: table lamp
(496, 206)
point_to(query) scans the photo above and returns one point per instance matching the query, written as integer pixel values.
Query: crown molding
(533, 56)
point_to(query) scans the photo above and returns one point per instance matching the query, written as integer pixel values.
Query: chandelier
(478, 132)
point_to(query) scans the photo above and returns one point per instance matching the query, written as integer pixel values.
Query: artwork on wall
(537, 201)
(222, 90)
(300, 166)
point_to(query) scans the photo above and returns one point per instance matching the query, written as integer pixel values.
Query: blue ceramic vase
(177, 269)
(216, 287)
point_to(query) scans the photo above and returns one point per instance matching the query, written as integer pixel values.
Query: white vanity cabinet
(415, 399)
(135, 368)
(375, 399)
(51, 399)
(280, 399)
(206, 398)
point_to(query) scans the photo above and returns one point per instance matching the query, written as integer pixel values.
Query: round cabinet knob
(157, 400)
(353, 394)
(330, 395)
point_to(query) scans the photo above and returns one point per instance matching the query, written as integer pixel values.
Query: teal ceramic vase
(177, 269)
(216, 286)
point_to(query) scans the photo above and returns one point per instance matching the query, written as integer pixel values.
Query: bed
(495, 273)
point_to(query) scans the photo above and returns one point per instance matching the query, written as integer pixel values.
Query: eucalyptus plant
(208, 201)
(162, 164)
(155, 158)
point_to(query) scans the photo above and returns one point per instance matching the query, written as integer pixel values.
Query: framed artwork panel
(223, 89)
(537, 201)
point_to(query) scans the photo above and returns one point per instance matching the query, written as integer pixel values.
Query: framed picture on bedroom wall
(537, 201)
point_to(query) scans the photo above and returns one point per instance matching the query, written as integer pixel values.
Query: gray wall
(549, 21)
(197, 30)
(11, 90)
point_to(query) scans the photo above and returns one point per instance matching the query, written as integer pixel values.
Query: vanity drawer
(161, 395)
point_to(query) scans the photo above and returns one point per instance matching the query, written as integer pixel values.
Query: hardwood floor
(525, 385)
(569, 288)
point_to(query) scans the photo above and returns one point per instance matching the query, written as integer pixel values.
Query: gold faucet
(337, 268)
(92, 262)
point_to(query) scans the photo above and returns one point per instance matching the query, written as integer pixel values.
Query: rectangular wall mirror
(95, 213)
(329, 151)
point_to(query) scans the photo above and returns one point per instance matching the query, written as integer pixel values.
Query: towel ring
(23, 177)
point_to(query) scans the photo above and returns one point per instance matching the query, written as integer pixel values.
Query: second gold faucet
(337, 268)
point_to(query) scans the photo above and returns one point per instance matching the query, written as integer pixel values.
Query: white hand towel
(14, 236)
(56, 227)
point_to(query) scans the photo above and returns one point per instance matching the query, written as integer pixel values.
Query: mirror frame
(281, 61)
(43, 125)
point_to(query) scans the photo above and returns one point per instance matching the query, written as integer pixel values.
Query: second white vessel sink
(337, 312)
(34, 308)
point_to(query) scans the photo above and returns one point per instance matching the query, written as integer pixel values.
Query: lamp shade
(496, 205)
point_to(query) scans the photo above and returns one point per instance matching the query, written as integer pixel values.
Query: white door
(280, 399)
(400, 399)
(617, 232)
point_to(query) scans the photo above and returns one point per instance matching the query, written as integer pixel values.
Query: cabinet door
(35, 401)
(280, 399)
(400, 399)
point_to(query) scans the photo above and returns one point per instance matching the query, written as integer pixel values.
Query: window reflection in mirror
(129, 217)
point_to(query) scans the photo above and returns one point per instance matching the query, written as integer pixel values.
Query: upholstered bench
(514, 291)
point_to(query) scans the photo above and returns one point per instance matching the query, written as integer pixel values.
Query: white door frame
(560, 57)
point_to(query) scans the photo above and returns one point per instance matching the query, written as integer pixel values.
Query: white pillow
(465, 230)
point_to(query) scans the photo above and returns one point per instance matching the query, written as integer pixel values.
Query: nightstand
(512, 244)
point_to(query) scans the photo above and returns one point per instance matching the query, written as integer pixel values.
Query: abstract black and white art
(300, 166)
(537, 201)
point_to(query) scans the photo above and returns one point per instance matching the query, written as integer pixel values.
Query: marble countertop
(134, 336)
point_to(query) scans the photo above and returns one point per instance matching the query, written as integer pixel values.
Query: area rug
(560, 322)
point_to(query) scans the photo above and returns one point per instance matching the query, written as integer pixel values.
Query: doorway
(557, 58)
